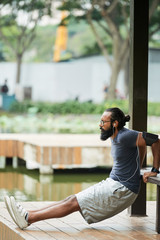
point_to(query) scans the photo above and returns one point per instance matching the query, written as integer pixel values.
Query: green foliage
(68, 107)
(91, 50)
(76, 107)
(16, 35)
(154, 27)
(78, 33)
(39, 51)
(154, 20)
(98, 13)
(68, 117)
(154, 109)
(122, 104)
(2, 58)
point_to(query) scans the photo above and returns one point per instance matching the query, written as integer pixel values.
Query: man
(112, 195)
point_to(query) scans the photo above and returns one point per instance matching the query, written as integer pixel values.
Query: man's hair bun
(127, 118)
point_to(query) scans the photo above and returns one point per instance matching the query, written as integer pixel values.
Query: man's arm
(140, 143)
(155, 152)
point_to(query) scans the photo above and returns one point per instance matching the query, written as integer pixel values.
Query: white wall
(154, 82)
(61, 81)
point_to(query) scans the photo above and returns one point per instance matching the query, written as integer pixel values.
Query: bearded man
(112, 195)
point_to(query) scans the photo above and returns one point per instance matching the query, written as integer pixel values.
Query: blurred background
(62, 63)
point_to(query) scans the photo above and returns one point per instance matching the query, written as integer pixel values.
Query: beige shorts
(104, 200)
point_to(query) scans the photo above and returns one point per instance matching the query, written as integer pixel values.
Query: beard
(105, 134)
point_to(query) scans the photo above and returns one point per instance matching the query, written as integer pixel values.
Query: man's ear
(115, 124)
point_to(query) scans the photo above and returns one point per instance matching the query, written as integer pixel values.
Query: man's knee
(73, 203)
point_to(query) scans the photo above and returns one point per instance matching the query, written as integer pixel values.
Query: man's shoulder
(124, 131)
(126, 134)
(127, 131)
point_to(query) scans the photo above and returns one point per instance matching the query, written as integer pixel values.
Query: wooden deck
(58, 151)
(120, 227)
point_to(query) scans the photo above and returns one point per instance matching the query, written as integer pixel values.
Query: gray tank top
(126, 166)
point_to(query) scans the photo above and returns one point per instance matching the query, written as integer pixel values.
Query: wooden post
(158, 210)
(138, 89)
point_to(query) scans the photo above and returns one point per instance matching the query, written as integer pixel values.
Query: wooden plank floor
(119, 227)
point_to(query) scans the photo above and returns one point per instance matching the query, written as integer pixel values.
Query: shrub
(68, 107)
(76, 107)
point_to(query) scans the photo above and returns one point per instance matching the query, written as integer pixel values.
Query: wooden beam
(138, 89)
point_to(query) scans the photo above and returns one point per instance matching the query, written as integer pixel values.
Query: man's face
(106, 126)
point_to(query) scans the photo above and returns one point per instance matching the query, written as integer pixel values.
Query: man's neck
(115, 133)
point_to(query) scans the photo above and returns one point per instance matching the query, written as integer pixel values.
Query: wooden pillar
(158, 210)
(138, 89)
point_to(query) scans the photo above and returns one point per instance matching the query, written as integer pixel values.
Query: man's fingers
(148, 174)
(145, 178)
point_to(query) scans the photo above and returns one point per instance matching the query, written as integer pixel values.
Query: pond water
(29, 185)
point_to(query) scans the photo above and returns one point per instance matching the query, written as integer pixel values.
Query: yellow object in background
(61, 40)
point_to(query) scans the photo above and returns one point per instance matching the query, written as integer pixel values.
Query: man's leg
(51, 205)
(55, 211)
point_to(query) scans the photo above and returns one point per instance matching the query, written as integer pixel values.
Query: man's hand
(146, 175)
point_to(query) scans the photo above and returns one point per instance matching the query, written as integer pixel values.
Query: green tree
(154, 16)
(18, 22)
(113, 16)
